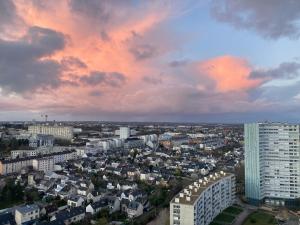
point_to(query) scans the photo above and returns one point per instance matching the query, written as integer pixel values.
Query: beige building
(202, 201)
(61, 132)
(27, 214)
(9, 166)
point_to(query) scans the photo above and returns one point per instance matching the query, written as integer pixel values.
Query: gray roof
(27, 208)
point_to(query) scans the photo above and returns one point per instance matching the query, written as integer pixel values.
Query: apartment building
(202, 201)
(43, 164)
(38, 140)
(272, 163)
(61, 132)
(9, 166)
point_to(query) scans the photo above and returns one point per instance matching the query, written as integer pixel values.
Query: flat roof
(196, 188)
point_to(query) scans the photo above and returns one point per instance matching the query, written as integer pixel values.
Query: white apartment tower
(124, 132)
(202, 201)
(272, 163)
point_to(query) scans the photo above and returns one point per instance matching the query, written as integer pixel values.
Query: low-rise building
(27, 214)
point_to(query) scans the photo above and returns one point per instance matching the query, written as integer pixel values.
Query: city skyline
(176, 61)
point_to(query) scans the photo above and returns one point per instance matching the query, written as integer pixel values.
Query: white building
(27, 214)
(124, 132)
(61, 132)
(202, 201)
(272, 163)
(43, 164)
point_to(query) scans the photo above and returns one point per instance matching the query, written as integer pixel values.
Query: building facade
(27, 214)
(43, 164)
(202, 201)
(46, 161)
(61, 132)
(38, 140)
(272, 163)
(124, 132)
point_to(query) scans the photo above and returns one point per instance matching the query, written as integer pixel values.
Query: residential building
(133, 142)
(9, 166)
(202, 201)
(75, 201)
(272, 163)
(60, 132)
(124, 132)
(38, 140)
(27, 214)
(69, 216)
(134, 209)
(43, 164)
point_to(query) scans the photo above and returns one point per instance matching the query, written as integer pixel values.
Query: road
(248, 209)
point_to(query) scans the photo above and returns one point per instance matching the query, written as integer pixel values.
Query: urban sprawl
(62, 173)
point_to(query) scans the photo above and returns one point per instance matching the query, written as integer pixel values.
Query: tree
(102, 221)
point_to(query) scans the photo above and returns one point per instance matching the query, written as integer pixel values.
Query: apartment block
(202, 201)
(61, 132)
(272, 163)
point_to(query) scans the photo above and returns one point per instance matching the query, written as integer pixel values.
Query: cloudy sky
(160, 60)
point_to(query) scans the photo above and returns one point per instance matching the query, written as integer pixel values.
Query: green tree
(102, 221)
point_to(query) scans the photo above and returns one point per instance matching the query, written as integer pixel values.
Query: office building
(272, 163)
(202, 201)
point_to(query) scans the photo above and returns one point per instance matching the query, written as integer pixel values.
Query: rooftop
(27, 208)
(191, 193)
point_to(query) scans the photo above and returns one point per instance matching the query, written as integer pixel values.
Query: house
(134, 209)
(69, 216)
(27, 214)
(94, 196)
(111, 203)
(75, 201)
(54, 222)
(50, 210)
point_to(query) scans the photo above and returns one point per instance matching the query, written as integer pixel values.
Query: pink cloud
(230, 73)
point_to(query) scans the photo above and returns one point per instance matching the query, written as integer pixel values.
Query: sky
(230, 61)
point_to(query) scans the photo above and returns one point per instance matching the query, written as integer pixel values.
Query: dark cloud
(178, 63)
(9, 18)
(102, 11)
(104, 36)
(95, 93)
(72, 62)
(21, 66)
(152, 80)
(7, 11)
(286, 70)
(142, 52)
(113, 79)
(270, 18)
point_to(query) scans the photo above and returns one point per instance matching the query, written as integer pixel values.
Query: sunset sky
(158, 60)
